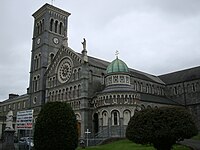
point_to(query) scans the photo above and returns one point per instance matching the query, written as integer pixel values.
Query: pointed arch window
(42, 24)
(105, 118)
(56, 26)
(51, 56)
(115, 117)
(51, 25)
(34, 84)
(38, 28)
(60, 28)
(127, 116)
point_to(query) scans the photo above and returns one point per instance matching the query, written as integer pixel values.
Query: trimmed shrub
(161, 127)
(56, 128)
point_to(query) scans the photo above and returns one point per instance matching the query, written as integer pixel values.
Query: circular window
(64, 70)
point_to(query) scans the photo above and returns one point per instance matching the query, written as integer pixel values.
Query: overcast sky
(153, 36)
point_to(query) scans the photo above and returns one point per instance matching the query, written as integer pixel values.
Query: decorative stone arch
(115, 117)
(126, 116)
(148, 106)
(105, 117)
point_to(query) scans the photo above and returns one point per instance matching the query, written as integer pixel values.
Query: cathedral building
(104, 95)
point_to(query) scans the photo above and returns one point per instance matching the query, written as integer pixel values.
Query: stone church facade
(104, 95)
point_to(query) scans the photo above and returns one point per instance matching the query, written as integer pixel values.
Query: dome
(117, 65)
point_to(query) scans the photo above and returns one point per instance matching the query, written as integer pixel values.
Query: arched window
(96, 123)
(52, 96)
(105, 118)
(56, 96)
(34, 84)
(115, 117)
(38, 28)
(59, 95)
(175, 90)
(56, 26)
(78, 74)
(78, 90)
(42, 24)
(35, 62)
(193, 87)
(127, 116)
(147, 88)
(39, 60)
(51, 25)
(51, 57)
(37, 82)
(60, 28)
(49, 97)
(34, 100)
(74, 92)
(75, 74)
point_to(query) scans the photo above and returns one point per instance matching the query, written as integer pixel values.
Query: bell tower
(50, 28)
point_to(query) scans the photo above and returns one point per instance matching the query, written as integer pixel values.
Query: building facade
(104, 95)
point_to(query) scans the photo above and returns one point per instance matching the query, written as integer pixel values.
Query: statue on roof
(84, 44)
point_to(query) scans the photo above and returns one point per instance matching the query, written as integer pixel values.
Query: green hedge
(161, 127)
(56, 128)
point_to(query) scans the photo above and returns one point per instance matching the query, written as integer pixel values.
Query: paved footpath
(194, 144)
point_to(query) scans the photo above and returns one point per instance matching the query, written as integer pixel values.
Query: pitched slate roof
(157, 99)
(20, 97)
(181, 76)
(135, 73)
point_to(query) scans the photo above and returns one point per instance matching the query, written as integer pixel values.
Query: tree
(56, 128)
(162, 127)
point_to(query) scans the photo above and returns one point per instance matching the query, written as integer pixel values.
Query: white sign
(24, 120)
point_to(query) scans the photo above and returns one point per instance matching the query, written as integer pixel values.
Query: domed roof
(117, 65)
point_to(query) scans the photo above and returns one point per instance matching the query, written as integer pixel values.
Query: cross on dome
(117, 53)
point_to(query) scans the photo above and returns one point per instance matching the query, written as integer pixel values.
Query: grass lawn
(197, 137)
(128, 145)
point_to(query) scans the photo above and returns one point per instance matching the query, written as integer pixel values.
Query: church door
(96, 123)
(79, 129)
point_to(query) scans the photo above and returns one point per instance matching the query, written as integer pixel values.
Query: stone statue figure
(9, 120)
(84, 44)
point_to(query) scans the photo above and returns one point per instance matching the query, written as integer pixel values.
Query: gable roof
(135, 73)
(181, 76)
(157, 99)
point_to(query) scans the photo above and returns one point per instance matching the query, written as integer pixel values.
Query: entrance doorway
(96, 123)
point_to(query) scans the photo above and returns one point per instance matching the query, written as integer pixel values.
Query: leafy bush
(162, 127)
(56, 128)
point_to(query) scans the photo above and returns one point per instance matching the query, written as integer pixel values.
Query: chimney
(13, 95)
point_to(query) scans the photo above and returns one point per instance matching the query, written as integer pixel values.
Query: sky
(153, 36)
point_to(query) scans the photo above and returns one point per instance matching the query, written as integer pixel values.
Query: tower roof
(117, 65)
